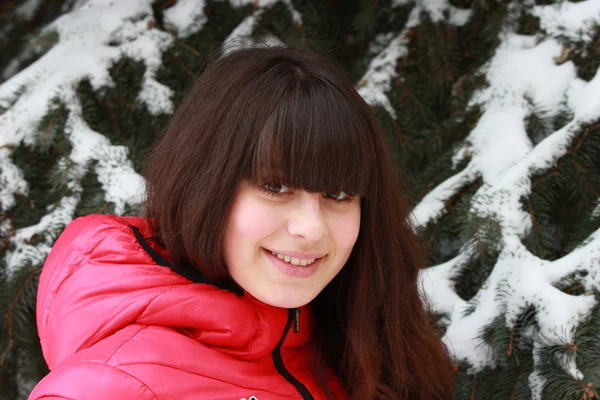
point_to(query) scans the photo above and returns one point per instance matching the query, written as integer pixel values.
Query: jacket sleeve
(91, 381)
(93, 284)
(72, 249)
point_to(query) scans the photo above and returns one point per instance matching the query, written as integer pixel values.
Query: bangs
(315, 140)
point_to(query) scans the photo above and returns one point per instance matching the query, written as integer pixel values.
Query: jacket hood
(102, 275)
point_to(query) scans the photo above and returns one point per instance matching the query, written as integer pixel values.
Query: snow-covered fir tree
(491, 109)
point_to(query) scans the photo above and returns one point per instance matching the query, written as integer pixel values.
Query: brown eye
(280, 189)
(341, 195)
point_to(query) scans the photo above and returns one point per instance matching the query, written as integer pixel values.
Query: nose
(306, 220)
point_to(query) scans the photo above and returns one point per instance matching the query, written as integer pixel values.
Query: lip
(297, 254)
(296, 271)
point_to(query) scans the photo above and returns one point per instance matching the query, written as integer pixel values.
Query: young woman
(275, 260)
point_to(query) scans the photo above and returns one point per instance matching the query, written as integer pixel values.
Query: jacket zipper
(296, 320)
(293, 316)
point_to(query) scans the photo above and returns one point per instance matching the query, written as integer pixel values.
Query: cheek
(249, 223)
(345, 232)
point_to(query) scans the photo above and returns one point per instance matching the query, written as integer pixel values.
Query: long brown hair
(292, 115)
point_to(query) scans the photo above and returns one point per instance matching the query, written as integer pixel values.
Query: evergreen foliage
(442, 64)
(20, 32)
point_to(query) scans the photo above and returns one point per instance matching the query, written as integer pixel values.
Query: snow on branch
(523, 71)
(92, 37)
(532, 283)
(241, 37)
(433, 206)
(570, 20)
(186, 16)
(376, 81)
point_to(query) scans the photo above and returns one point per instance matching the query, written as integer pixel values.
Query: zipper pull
(296, 320)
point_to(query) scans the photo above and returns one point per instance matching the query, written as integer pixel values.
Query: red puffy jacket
(118, 321)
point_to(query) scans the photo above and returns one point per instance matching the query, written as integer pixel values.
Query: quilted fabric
(114, 324)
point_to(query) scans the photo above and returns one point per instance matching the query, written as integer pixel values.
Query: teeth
(293, 260)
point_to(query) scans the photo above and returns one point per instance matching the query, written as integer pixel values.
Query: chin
(286, 300)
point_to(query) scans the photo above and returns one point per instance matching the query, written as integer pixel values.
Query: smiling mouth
(293, 260)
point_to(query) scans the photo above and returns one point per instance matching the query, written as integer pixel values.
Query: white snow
(93, 36)
(437, 8)
(459, 16)
(380, 41)
(51, 223)
(264, 4)
(47, 231)
(148, 47)
(122, 185)
(397, 3)
(536, 382)
(84, 52)
(376, 81)
(241, 37)
(583, 98)
(501, 151)
(432, 206)
(596, 212)
(44, 80)
(572, 20)
(437, 284)
(27, 9)
(11, 181)
(187, 16)
(521, 75)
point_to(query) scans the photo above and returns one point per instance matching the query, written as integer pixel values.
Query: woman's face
(311, 234)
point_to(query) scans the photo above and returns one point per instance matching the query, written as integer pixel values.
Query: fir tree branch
(521, 371)
(187, 47)
(113, 117)
(510, 343)
(126, 103)
(48, 129)
(185, 69)
(9, 314)
(534, 224)
(407, 92)
(11, 232)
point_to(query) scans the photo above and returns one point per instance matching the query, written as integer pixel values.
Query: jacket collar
(222, 315)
